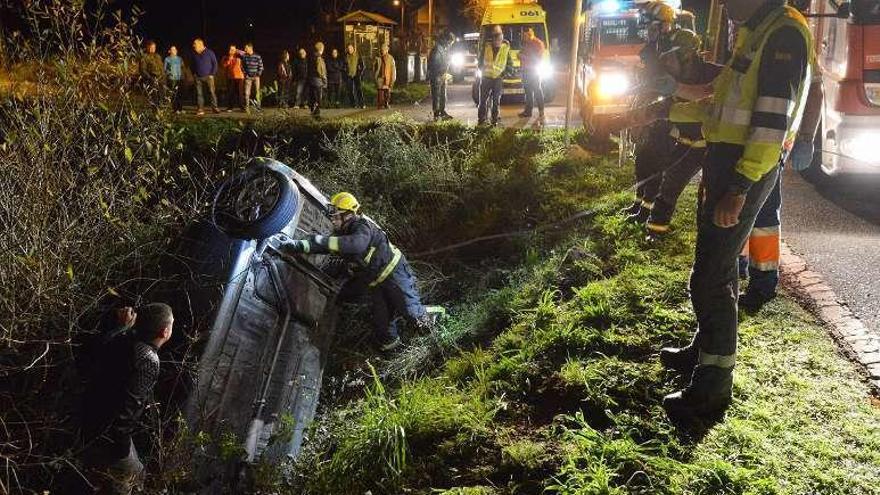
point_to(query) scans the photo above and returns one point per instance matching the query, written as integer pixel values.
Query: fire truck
(608, 63)
(847, 37)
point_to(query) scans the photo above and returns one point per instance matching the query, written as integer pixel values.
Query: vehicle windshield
(866, 11)
(620, 31)
(514, 33)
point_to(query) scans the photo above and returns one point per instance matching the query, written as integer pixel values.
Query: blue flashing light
(608, 6)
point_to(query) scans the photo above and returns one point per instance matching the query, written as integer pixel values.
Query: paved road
(460, 105)
(836, 228)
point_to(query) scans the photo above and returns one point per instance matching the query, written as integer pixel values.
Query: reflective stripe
(307, 246)
(388, 268)
(333, 243)
(690, 142)
(369, 255)
(646, 205)
(717, 360)
(764, 249)
(735, 116)
(764, 231)
(656, 227)
(767, 135)
(764, 266)
(772, 104)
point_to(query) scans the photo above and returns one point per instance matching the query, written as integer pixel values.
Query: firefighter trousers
(763, 246)
(395, 299)
(714, 284)
(652, 155)
(684, 162)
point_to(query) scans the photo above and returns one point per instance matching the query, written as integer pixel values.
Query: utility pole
(572, 68)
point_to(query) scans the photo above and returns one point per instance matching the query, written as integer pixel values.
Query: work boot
(655, 232)
(708, 394)
(631, 209)
(525, 115)
(446, 116)
(680, 359)
(752, 302)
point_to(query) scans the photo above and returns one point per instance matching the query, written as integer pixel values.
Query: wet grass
(568, 391)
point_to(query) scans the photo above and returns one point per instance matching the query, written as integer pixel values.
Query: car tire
(256, 203)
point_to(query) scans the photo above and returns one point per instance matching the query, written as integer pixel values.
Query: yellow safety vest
(499, 60)
(726, 115)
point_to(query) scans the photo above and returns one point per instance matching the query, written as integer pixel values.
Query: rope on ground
(542, 227)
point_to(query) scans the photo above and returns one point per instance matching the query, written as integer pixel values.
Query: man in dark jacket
(283, 74)
(317, 79)
(379, 266)
(438, 69)
(152, 72)
(334, 79)
(119, 388)
(354, 73)
(204, 68)
(300, 74)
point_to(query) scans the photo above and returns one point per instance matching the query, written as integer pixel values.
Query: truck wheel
(255, 204)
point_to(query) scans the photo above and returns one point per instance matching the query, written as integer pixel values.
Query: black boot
(752, 302)
(680, 359)
(707, 395)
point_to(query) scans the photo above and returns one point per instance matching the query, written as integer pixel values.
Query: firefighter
(656, 147)
(759, 261)
(682, 61)
(378, 266)
(749, 123)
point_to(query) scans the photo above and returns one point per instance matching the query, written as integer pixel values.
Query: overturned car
(257, 321)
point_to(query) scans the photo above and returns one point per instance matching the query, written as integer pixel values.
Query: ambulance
(612, 35)
(515, 17)
(847, 37)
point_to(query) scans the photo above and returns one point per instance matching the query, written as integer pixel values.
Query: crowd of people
(306, 80)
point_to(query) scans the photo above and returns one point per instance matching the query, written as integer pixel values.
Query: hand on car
(728, 209)
(126, 316)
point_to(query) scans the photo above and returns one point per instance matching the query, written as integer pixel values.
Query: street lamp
(401, 4)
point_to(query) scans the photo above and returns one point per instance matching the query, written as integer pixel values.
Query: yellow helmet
(659, 12)
(345, 201)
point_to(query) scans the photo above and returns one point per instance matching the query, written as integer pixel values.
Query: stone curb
(860, 344)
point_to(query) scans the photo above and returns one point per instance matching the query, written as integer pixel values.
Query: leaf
(112, 291)
(70, 272)
(129, 155)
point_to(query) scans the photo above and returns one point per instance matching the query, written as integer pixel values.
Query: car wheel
(256, 203)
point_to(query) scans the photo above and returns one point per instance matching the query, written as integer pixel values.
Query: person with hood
(438, 74)
(317, 79)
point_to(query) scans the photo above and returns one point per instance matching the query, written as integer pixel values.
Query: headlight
(457, 60)
(862, 147)
(612, 84)
(872, 92)
(545, 70)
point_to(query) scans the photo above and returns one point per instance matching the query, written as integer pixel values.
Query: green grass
(574, 387)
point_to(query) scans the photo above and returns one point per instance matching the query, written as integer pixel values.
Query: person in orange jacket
(235, 78)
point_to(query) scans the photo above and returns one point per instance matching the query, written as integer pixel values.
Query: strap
(389, 267)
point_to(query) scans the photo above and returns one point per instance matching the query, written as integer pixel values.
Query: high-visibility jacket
(495, 62)
(727, 115)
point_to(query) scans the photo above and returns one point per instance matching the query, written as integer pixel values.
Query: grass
(575, 386)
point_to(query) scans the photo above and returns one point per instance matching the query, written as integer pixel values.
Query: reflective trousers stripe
(333, 244)
(656, 227)
(764, 248)
(718, 360)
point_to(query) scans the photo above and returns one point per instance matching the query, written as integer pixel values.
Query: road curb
(857, 342)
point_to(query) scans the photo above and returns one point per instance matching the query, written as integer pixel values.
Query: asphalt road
(836, 229)
(459, 104)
